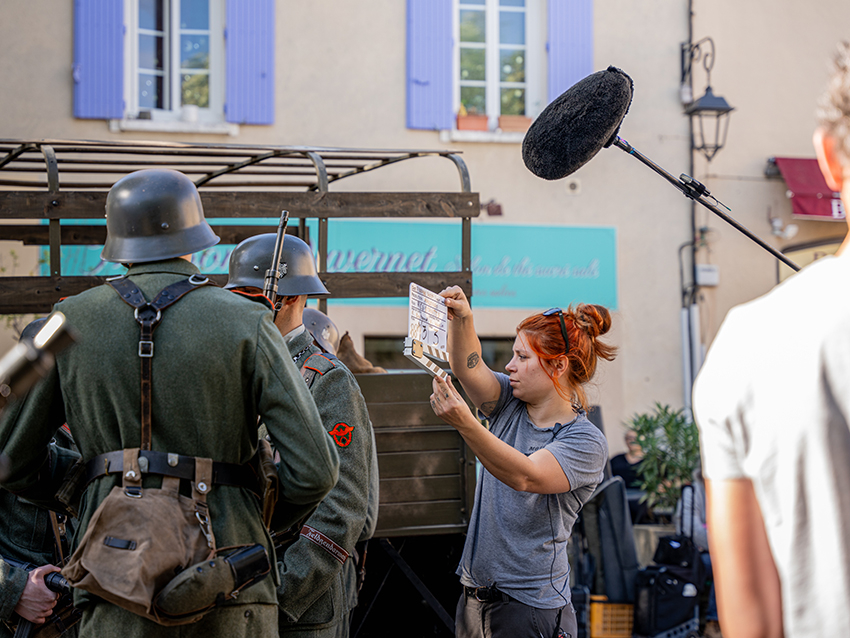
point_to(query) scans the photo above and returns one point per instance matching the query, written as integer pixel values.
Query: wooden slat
(390, 284)
(425, 488)
(241, 204)
(23, 295)
(405, 414)
(388, 440)
(31, 235)
(427, 463)
(423, 530)
(401, 517)
(395, 386)
(81, 235)
(38, 294)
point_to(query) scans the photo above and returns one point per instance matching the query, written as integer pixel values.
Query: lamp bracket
(699, 51)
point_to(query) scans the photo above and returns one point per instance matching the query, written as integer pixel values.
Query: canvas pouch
(138, 539)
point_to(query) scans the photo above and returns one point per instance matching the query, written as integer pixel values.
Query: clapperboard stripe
(426, 363)
(435, 352)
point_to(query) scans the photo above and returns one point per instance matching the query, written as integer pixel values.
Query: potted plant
(670, 445)
(471, 120)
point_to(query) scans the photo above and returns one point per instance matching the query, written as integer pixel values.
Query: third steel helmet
(324, 330)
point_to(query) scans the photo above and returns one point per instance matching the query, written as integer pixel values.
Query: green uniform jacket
(12, 583)
(315, 587)
(26, 535)
(218, 364)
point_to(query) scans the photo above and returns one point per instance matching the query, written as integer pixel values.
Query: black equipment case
(666, 606)
(667, 594)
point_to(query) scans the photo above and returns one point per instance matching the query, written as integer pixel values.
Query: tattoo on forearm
(472, 360)
(488, 407)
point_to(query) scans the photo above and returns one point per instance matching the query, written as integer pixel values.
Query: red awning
(810, 197)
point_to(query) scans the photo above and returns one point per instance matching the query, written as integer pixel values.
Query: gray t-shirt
(518, 540)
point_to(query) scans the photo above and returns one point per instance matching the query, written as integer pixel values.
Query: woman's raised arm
(478, 381)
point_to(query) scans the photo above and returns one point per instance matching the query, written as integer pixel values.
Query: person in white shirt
(773, 406)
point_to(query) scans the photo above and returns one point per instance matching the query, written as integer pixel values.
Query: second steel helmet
(155, 214)
(250, 260)
(324, 330)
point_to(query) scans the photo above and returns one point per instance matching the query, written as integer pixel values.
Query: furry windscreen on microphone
(578, 124)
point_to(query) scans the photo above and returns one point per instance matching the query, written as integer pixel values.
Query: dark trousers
(510, 618)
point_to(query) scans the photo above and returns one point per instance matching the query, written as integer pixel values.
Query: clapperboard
(427, 330)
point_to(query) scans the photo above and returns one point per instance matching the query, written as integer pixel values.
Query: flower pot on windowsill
(514, 123)
(472, 123)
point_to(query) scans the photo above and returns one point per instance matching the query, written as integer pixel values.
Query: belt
(175, 465)
(487, 594)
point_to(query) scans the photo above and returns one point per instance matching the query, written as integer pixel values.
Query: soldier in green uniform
(318, 573)
(27, 537)
(217, 366)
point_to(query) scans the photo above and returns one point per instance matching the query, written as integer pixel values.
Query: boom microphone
(586, 118)
(577, 125)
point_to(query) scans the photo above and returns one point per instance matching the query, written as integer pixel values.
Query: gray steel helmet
(324, 331)
(155, 214)
(250, 260)
(32, 328)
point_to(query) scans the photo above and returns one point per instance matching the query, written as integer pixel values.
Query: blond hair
(834, 106)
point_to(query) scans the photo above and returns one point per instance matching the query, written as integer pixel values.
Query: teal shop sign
(514, 266)
(537, 267)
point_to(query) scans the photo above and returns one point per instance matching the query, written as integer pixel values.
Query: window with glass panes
(492, 47)
(177, 53)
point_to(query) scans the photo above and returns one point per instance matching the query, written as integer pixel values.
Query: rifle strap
(58, 535)
(148, 315)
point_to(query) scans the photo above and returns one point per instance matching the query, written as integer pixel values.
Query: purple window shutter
(249, 91)
(98, 59)
(570, 43)
(429, 64)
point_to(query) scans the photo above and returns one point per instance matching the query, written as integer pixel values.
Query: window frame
(535, 71)
(203, 117)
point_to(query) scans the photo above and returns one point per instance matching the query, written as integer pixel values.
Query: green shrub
(670, 444)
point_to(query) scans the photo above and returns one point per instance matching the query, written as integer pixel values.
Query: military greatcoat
(219, 363)
(318, 583)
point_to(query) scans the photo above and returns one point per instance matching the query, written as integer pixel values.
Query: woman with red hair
(542, 461)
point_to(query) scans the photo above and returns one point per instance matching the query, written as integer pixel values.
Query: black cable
(554, 556)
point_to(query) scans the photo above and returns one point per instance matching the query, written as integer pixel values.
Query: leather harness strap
(148, 316)
(58, 535)
(177, 466)
(174, 466)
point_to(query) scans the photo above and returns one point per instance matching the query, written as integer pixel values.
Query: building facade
(470, 75)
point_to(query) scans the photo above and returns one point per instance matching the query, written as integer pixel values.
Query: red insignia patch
(341, 434)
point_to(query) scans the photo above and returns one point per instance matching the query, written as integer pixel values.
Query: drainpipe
(691, 349)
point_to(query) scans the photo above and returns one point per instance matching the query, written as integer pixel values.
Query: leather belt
(175, 465)
(487, 594)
